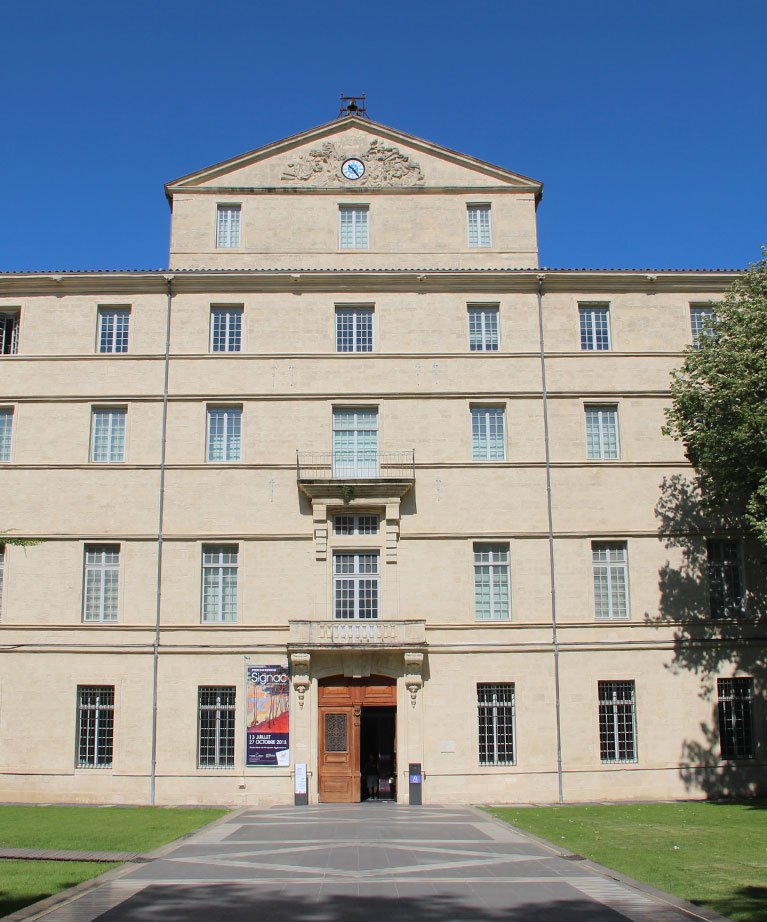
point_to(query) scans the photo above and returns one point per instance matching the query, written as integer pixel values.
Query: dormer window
(228, 226)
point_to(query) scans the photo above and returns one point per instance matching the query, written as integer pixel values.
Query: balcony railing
(333, 466)
(332, 634)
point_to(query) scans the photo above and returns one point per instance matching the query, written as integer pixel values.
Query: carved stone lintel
(413, 675)
(384, 166)
(299, 667)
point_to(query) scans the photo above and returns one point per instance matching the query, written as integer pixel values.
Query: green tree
(719, 405)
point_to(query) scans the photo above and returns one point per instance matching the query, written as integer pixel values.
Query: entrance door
(342, 702)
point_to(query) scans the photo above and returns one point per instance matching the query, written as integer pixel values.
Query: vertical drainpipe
(160, 513)
(553, 587)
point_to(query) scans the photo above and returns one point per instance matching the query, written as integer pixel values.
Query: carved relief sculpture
(384, 166)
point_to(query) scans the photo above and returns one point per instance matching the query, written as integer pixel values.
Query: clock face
(353, 169)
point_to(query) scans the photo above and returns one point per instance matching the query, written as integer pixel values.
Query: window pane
(595, 328)
(114, 324)
(219, 582)
(602, 433)
(108, 435)
(617, 721)
(487, 432)
(9, 333)
(228, 226)
(226, 329)
(224, 430)
(6, 431)
(95, 725)
(483, 329)
(216, 726)
(735, 718)
(495, 712)
(479, 225)
(491, 582)
(353, 227)
(356, 585)
(700, 322)
(102, 579)
(354, 329)
(725, 578)
(610, 572)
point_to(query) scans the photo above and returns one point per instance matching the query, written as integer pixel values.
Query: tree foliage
(719, 405)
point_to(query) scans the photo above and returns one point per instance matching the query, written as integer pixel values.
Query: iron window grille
(617, 722)
(488, 435)
(224, 433)
(725, 578)
(602, 442)
(219, 583)
(9, 332)
(353, 227)
(6, 433)
(108, 434)
(228, 226)
(479, 229)
(95, 725)
(483, 329)
(355, 525)
(595, 328)
(101, 583)
(610, 571)
(735, 718)
(356, 586)
(215, 726)
(701, 316)
(225, 329)
(2, 574)
(354, 329)
(492, 597)
(114, 325)
(495, 713)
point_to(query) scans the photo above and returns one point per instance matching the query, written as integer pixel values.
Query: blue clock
(353, 169)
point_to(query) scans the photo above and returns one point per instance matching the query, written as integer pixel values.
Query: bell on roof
(352, 106)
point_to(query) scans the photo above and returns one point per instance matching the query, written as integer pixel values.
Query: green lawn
(708, 853)
(123, 829)
(103, 829)
(25, 882)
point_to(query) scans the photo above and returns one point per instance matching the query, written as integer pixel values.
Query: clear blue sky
(645, 119)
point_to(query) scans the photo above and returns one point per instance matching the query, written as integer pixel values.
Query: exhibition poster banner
(268, 730)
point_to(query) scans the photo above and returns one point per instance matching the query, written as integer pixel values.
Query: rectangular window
(701, 316)
(488, 437)
(354, 329)
(595, 328)
(95, 725)
(495, 712)
(219, 582)
(735, 718)
(108, 434)
(225, 329)
(215, 726)
(483, 329)
(355, 443)
(353, 227)
(725, 578)
(492, 601)
(355, 524)
(617, 722)
(610, 566)
(224, 429)
(356, 585)
(9, 332)
(114, 324)
(6, 433)
(602, 433)
(479, 225)
(101, 583)
(228, 226)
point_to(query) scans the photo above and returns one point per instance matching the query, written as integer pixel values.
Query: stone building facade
(356, 432)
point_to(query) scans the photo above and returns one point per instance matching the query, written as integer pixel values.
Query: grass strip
(103, 829)
(712, 854)
(25, 882)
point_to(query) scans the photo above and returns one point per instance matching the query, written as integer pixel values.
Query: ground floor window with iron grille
(495, 711)
(735, 720)
(215, 727)
(95, 725)
(617, 722)
(356, 585)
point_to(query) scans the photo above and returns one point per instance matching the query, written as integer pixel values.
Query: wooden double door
(341, 704)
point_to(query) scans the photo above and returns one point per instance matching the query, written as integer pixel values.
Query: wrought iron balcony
(371, 474)
(333, 635)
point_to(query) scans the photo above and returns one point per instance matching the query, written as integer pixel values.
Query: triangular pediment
(391, 160)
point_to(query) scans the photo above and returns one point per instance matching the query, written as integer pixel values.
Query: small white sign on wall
(447, 746)
(300, 777)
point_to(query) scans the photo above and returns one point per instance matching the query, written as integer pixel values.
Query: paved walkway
(364, 863)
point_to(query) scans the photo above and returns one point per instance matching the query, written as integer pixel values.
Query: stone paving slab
(359, 863)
